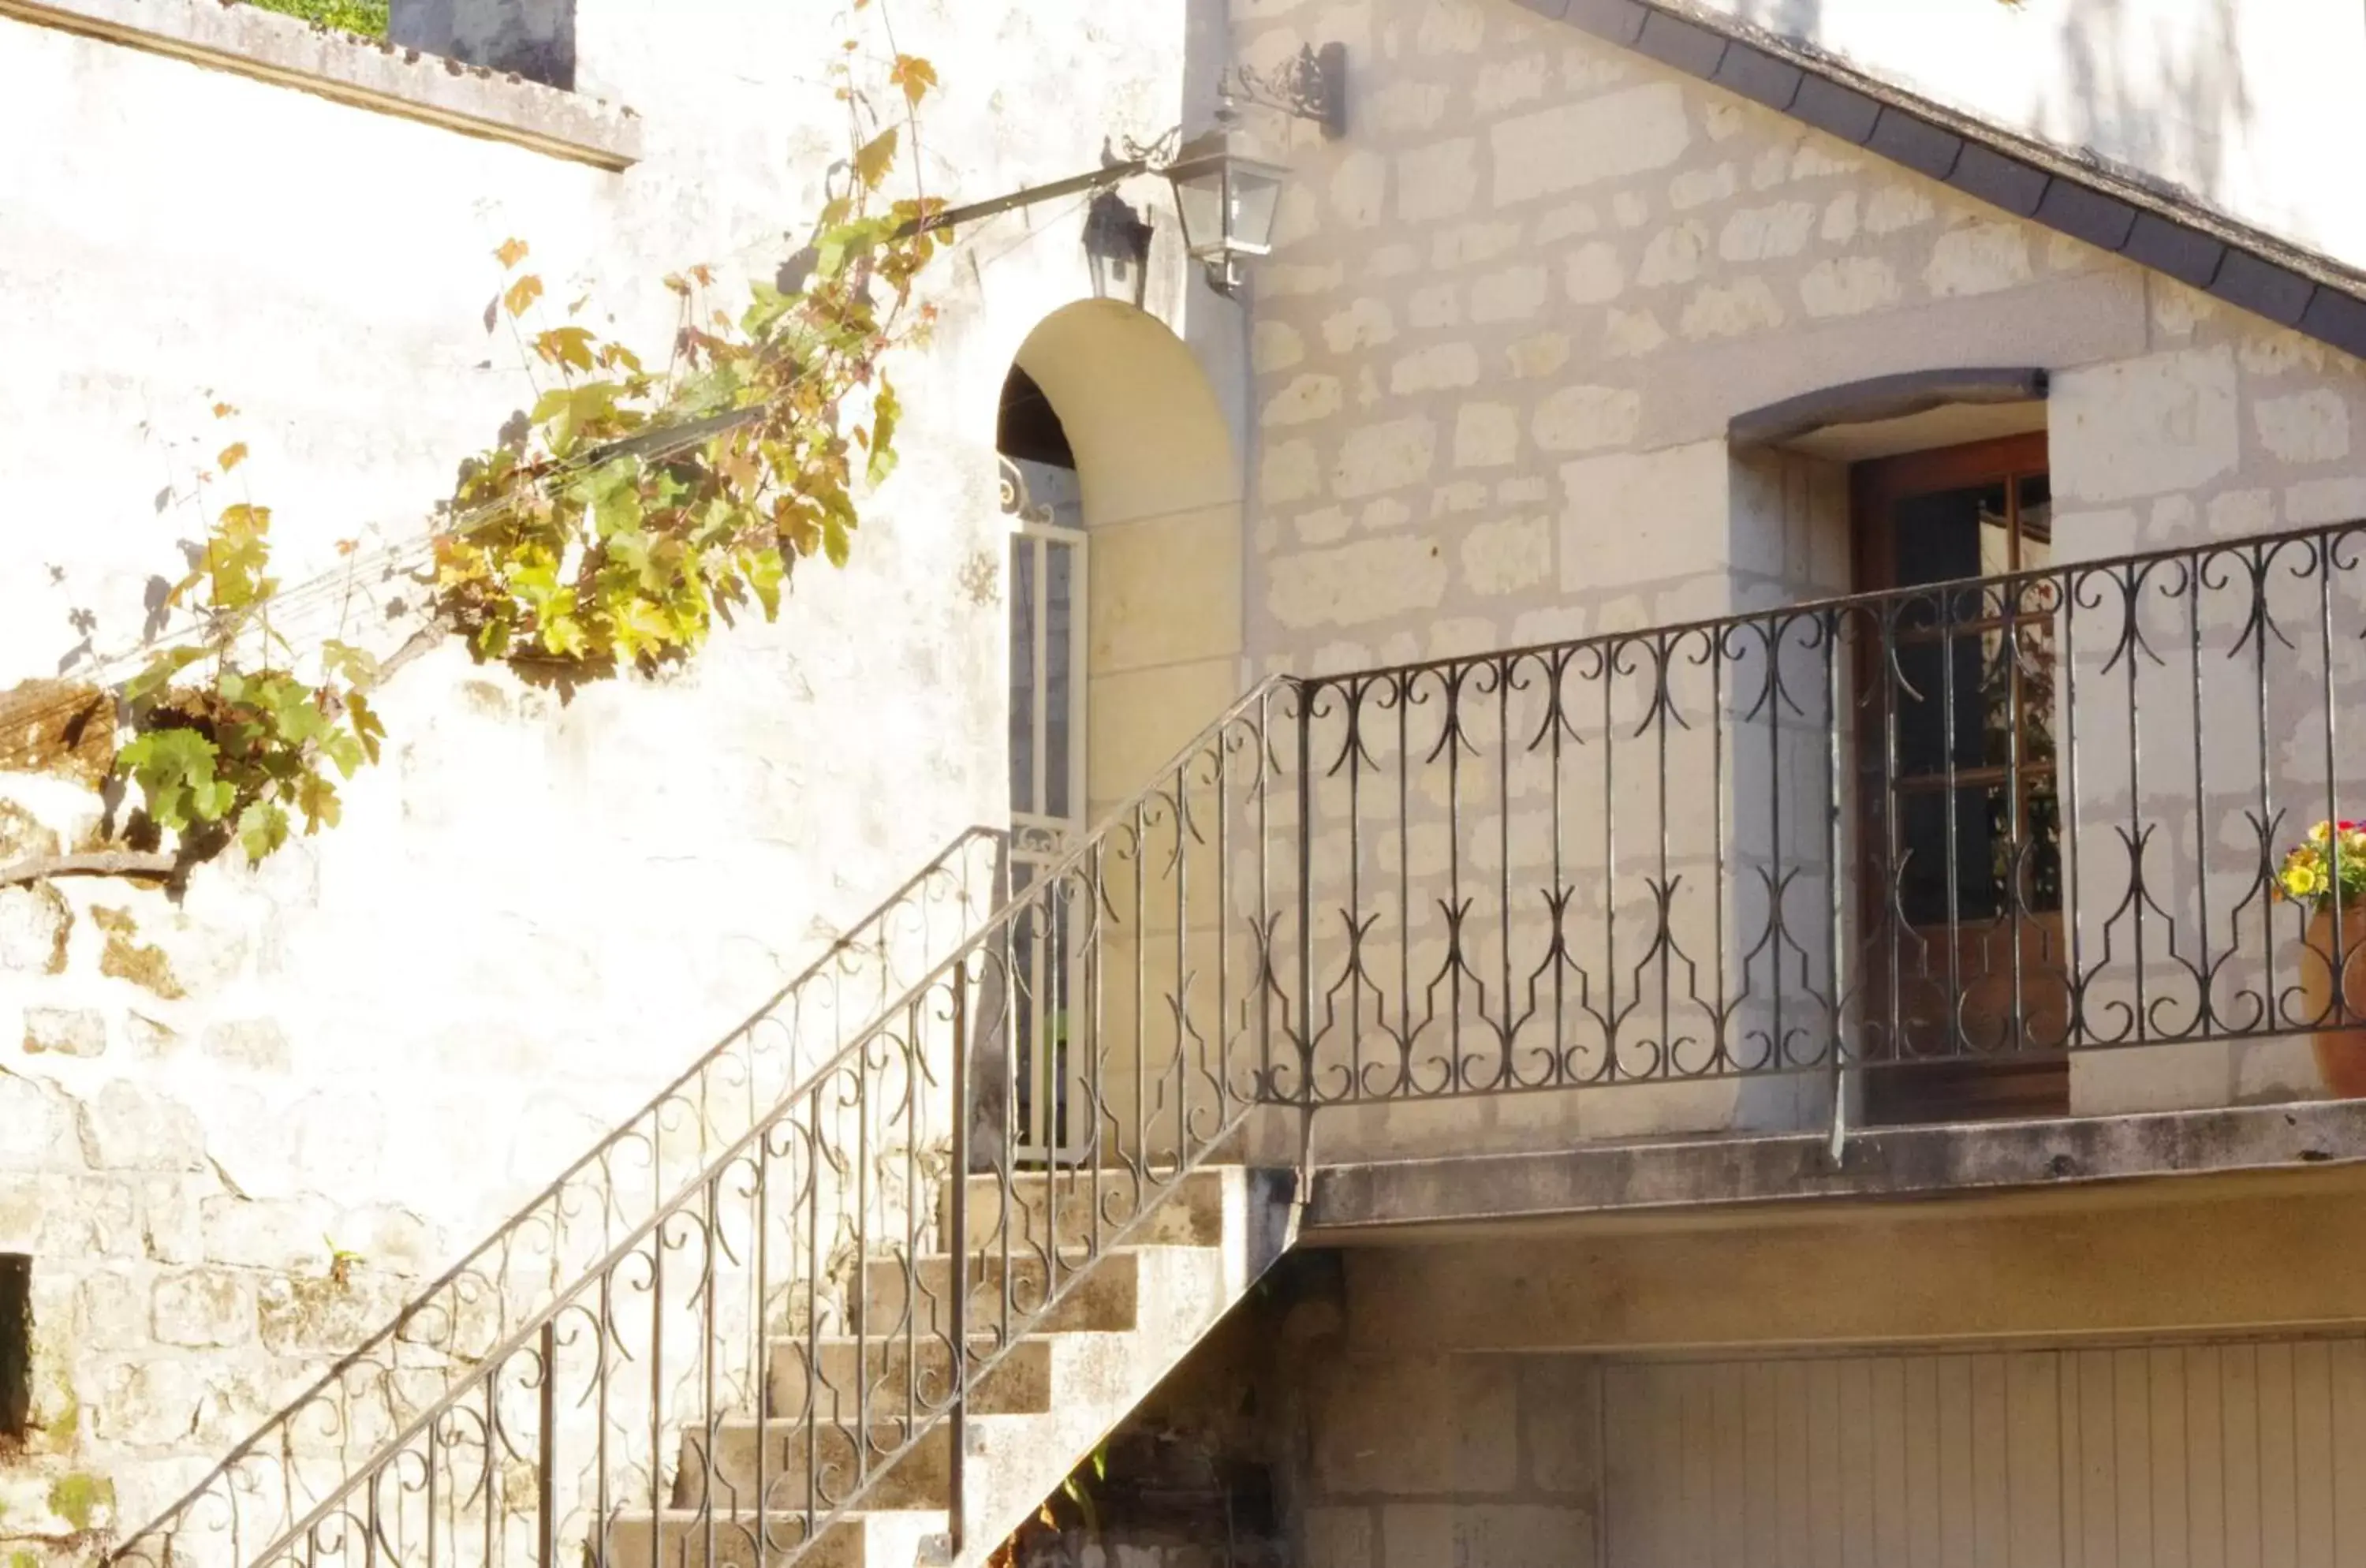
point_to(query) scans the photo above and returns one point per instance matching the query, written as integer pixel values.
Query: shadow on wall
(2188, 114)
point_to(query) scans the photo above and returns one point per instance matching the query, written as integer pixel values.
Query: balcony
(2001, 847)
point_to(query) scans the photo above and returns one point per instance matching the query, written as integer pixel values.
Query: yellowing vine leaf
(875, 158)
(521, 295)
(915, 75)
(596, 540)
(567, 346)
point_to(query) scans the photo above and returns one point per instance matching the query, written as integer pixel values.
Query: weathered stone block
(1341, 1537)
(136, 1126)
(1594, 274)
(1290, 470)
(126, 957)
(204, 1308)
(2147, 426)
(1584, 418)
(324, 1315)
(1610, 137)
(2307, 427)
(1979, 258)
(1351, 584)
(36, 1123)
(256, 1044)
(1304, 401)
(1645, 518)
(1512, 295)
(63, 727)
(109, 1309)
(1486, 435)
(1509, 557)
(35, 926)
(1486, 1536)
(1385, 456)
(1437, 181)
(264, 1233)
(1763, 234)
(1442, 365)
(1361, 325)
(1848, 285)
(1275, 345)
(1471, 244)
(1675, 255)
(146, 1401)
(1735, 310)
(65, 1032)
(1359, 188)
(1446, 1424)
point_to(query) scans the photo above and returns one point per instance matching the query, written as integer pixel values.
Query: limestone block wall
(235, 1130)
(1509, 318)
(1454, 1462)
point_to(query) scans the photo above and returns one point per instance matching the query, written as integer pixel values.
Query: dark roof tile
(2337, 317)
(1687, 46)
(1758, 76)
(2262, 288)
(1620, 21)
(2086, 214)
(1915, 143)
(1990, 176)
(2187, 254)
(1845, 112)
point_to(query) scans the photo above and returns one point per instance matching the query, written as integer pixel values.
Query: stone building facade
(1504, 382)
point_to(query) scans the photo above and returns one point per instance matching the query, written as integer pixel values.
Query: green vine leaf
(606, 536)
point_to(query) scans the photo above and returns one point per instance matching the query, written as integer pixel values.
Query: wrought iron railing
(1953, 836)
(735, 1373)
(439, 1339)
(1979, 827)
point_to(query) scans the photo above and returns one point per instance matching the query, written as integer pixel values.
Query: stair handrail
(551, 1208)
(535, 1330)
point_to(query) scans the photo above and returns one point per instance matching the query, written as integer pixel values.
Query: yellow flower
(2302, 881)
(2320, 833)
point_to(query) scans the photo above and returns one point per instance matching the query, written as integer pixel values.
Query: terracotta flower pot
(2340, 1052)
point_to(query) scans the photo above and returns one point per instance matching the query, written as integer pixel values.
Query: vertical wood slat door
(2223, 1455)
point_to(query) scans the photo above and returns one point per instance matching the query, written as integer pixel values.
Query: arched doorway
(1123, 492)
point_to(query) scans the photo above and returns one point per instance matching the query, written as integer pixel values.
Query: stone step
(1102, 1298)
(885, 1372)
(795, 1456)
(681, 1538)
(1089, 1208)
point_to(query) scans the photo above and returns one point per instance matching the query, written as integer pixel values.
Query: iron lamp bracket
(1313, 86)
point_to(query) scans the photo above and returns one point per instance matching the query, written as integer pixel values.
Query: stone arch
(1161, 490)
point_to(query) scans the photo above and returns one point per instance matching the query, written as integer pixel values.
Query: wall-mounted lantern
(1228, 197)
(1227, 192)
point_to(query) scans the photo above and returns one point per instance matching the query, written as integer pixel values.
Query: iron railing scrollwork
(819, 1299)
(440, 1339)
(1983, 824)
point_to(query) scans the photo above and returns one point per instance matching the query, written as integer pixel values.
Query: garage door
(2223, 1455)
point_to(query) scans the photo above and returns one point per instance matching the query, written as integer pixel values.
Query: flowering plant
(2332, 860)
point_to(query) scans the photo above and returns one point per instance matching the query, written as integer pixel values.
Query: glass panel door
(1047, 802)
(1960, 836)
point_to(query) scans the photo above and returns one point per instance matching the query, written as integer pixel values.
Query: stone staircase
(1121, 1321)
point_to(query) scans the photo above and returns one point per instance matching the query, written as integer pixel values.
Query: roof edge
(2165, 229)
